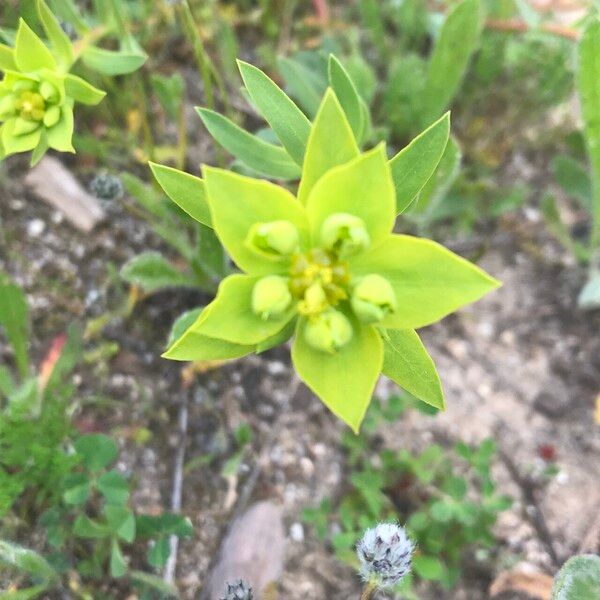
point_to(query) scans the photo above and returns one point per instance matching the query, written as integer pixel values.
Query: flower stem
(368, 592)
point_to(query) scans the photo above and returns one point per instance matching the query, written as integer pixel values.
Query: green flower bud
(31, 105)
(314, 301)
(7, 106)
(277, 238)
(329, 331)
(344, 234)
(23, 85)
(271, 297)
(48, 91)
(52, 116)
(24, 126)
(373, 298)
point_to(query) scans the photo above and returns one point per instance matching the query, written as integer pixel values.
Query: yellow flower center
(31, 106)
(319, 280)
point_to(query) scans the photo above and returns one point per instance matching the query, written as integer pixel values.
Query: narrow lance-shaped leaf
(589, 91)
(414, 165)
(302, 83)
(331, 143)
(187, 191)
(14, 316)
(407, 362)
(345, 90)
(287, 120)
(458, 39)
(58, 38)
(267, 159)
(152, 272)
(112, 62)
(82, 91)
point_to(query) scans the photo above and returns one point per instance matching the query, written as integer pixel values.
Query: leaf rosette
(37, 92)
(326, 269)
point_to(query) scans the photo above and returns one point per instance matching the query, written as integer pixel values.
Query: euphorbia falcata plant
(37, 92)
(326, 269)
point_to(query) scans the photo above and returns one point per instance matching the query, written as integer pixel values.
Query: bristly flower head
(326, 268)
(385, 554)
(106, 187)
(238, 591)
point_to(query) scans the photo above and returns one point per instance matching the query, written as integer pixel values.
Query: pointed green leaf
(183, 322)
(58, 38)
(153, 272)
(287, 120)
(24, 594)
(191, 345)
(77, 489)
(267, 159)
(407, 362)
(346, 92)
(439, 184)
(82, 91)
(158, 554)
(362, 187)
(589, 93)
(7, 58)
(457, 42)
(187, 191)
(430, 282)
(40, 150)
(230, 316)
(27, 560)
(112, 62)
(344, 380)
(13, 144)
(238, 202)
(31, 54)
(302, 83)
(14, 318)
(331, 143)
(414, 165)
(61, 135)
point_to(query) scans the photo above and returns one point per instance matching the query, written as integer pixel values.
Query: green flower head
(37, 93)
(326, 269)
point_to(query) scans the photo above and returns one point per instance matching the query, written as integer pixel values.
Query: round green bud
(276, 238)
(314, 301)
(373, 298)
(7, 106)
(24, 126)
(329, 331)
(48, 91)
(344, 234)
(52, 116)
(271, 297)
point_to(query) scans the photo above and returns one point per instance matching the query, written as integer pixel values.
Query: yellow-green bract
(37, 92)
(326, 269)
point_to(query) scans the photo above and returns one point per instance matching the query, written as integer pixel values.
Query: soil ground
(522, 365)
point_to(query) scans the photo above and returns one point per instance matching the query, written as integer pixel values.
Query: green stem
(368, 591)
(144, 110)
(182, 137)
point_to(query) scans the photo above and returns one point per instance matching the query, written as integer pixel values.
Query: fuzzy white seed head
(239, 590)
(385, 553)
